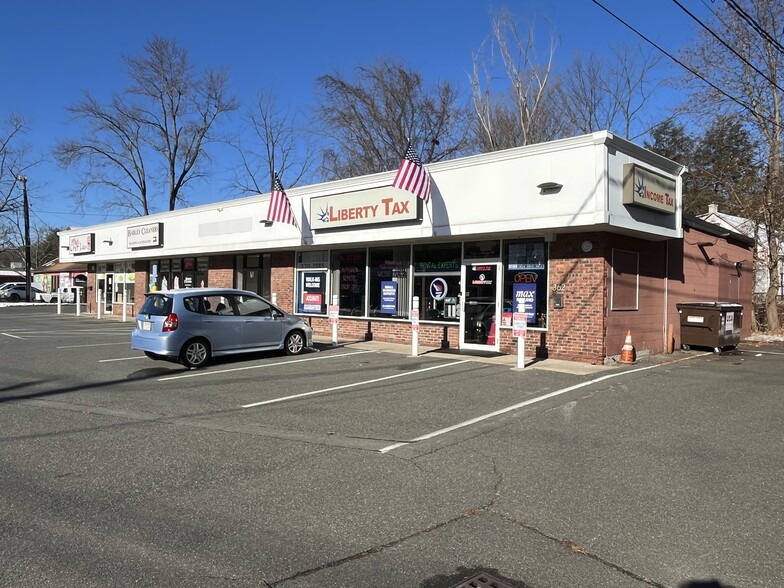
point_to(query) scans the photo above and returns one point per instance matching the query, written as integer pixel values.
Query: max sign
(380, 205)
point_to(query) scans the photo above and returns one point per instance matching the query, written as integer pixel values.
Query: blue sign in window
(388, 297)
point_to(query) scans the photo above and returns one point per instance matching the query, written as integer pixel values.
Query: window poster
(313, 290)
(525, 300)
(388, 297)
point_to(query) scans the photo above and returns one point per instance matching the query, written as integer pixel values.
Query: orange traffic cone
(627, 353)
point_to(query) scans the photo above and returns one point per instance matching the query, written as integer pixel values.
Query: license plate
(146, 326)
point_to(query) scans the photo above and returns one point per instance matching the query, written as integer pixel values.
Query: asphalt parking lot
(363, 466)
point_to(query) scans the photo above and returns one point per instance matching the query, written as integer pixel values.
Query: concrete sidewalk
(558, 365)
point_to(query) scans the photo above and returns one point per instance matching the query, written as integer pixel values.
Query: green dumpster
(710, 324)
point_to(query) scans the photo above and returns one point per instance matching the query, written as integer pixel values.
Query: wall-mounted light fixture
(108, 242)
(549, 187)
(266, 223)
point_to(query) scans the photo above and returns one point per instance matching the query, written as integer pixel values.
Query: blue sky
(52, 50)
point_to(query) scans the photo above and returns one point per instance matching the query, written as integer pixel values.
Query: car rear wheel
(195, 353)
(294, 343)
(14, 297)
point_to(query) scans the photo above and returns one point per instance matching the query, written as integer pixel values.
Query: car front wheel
(295, 343)
(195, 353)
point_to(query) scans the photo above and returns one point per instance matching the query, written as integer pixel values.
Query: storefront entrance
(481, 306)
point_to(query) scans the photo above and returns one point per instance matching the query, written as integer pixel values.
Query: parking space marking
(519, 405)
(10, 335)
(756, 352)
(92, 345)
(122, 358)
(344, 386)
(201, 374)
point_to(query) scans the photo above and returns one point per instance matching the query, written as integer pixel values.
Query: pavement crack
(580, 550)
(472, 512)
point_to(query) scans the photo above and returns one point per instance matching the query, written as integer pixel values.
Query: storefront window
(312, 295)
(437, 281)
(348, 281)
(253, 272)
(525, 282)
(202, 271)
(389, 281)
(482, 250)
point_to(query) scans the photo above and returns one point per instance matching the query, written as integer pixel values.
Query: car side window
(217, 305)
(191, 303)
(251, 306)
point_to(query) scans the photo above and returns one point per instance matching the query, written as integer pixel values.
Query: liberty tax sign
(368, 207)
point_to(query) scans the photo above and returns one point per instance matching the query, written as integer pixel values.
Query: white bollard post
(520, 352)
(125, 310)
(78, 299)
(100, 295)
(59, 300)
(415, 327)
(334, 320)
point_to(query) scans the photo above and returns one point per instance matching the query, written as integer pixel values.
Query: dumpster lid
(713, 305)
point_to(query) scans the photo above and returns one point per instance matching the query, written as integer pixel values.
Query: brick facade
(587, 328)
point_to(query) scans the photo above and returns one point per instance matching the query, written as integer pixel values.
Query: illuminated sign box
(367, 207)
(80, 244)
(644, 188)
(149, 235)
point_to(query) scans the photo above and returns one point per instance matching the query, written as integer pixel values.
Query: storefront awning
(59, 267)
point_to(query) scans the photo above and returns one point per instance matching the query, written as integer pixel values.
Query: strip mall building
(583, 235)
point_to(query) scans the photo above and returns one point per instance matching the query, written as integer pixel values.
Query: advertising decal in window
(525, 300)
(313, 289)
(388, 297)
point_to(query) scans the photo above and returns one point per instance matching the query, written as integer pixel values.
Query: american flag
(279, 205)
(412, 176)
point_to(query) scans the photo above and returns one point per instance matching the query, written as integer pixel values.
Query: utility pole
(26, 206)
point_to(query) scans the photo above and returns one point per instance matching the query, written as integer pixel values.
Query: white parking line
(127, 343)
(343, 387)
(10, 335)
(198, 374)
(528, 402)
(755, 352)
(122, 359)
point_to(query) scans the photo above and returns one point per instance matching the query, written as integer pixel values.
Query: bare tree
(275, 148)
(609, 94)
(523, 111)
(369, 120)
(745, 74)
(156, 130)
(14, 161)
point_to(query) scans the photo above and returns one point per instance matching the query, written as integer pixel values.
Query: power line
(685, 66)
(754, 24)
(720, 40)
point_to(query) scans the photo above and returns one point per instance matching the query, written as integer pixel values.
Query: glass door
(480, 306)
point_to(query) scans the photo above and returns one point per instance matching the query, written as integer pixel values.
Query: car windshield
(157, 305)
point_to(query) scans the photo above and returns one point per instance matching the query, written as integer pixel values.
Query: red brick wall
(141, 285)
(282, 278)
(576, 332)
(221, 271)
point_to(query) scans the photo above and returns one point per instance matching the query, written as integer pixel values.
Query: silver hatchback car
(195, 324)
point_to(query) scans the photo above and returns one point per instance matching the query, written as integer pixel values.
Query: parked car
(196, 324)
(19, 292)
(66, 294)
